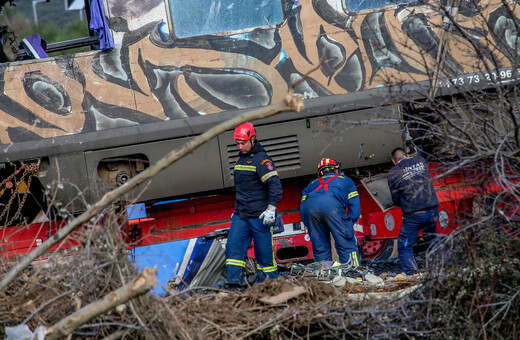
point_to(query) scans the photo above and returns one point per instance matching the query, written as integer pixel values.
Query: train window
(359, 5)
(49, 28)
(200, 17)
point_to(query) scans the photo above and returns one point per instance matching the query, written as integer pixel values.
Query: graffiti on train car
(161, 70)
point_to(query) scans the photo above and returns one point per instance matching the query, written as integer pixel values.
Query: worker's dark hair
(395, 151)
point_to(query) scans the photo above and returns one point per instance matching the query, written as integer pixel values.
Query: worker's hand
(269, 215)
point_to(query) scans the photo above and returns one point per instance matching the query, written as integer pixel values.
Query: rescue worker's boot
(233, 287)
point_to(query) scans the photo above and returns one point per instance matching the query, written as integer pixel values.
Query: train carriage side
(92, 120)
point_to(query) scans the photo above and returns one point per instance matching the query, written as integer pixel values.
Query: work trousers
(324, 220)
(413, 224)
(241, 233)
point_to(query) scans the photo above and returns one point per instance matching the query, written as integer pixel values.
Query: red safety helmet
(244, 131)
(327, 164)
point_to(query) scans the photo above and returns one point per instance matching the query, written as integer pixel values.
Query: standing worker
(258, 191)
(322, 210)
(412, 189)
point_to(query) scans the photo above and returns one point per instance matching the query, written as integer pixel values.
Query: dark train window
(199, 17)
(359, 5)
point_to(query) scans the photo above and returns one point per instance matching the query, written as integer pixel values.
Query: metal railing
(65, 45)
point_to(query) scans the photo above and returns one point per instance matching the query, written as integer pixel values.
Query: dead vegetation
(55, 288)
(283, 308)
(473, 294)
(471, 289)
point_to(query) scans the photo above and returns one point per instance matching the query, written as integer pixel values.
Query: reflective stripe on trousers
(323, 221)
(240, 235)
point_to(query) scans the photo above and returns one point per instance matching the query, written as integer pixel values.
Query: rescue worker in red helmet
(258, 191)
(322, 210)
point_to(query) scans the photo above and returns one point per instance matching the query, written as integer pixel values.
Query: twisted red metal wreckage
(85, 123)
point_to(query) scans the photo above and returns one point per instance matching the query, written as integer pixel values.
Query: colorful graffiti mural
(151, 75)
(85, 123)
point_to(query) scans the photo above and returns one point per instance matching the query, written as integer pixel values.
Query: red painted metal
(19, 240)
(195, 217)
(298, 244)
(372, 249)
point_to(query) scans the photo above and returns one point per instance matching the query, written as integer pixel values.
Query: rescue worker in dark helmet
(258, 191)
(322, 210)
(412, 189)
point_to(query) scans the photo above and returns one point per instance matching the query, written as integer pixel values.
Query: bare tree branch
(290, 103)
(140, 285)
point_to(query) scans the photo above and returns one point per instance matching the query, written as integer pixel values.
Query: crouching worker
(322, 210)
(258, 191)
(412, 189)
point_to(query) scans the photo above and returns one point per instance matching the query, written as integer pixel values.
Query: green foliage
(46, 12)
(52, 33)
(75, 29)
(55, 24)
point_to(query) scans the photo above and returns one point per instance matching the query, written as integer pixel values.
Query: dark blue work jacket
(332, 192)
(411, 185)
(256, 183)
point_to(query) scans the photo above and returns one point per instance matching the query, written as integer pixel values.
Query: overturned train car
(76, 126)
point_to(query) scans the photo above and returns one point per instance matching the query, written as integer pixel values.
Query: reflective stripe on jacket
(340, 190)
(256, 183)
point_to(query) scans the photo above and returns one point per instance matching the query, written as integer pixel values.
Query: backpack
(8, 45)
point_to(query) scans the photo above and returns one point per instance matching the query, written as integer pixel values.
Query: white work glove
(269, 215)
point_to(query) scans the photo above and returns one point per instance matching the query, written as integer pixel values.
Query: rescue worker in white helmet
(322, 210)
(258, 191)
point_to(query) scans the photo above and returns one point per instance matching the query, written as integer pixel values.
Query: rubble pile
(318, 300)
(285, 306)
(303, 298)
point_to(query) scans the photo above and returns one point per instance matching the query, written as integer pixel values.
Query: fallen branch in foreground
(290, 103)
(138, 286)
(283, 297)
